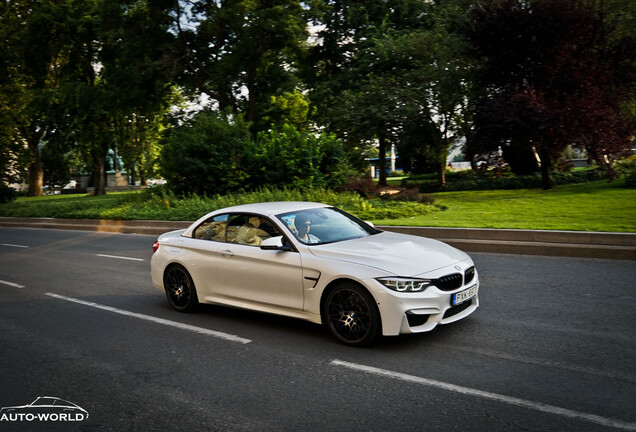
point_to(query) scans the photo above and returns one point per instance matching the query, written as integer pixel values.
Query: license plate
(462, 296)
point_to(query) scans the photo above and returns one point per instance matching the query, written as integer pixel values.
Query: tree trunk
(99, 175)
(382, 161)
(36, 177)
(441, 172)
(444, 145)
(143, 177)
(36, 172)
(546, 165)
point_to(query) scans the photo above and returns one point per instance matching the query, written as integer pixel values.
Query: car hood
(399, 254)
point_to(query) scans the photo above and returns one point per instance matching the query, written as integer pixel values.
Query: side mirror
(275, 243)
(370, 224)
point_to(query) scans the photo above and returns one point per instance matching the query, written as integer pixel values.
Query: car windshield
(325, 225)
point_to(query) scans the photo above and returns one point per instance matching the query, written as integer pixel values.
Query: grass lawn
(596, 206)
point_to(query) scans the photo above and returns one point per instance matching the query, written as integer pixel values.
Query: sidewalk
(527, 242)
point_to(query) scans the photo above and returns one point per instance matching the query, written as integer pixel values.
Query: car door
(203, 253)
(246, 273)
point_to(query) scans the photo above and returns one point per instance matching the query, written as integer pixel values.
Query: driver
(303, 225)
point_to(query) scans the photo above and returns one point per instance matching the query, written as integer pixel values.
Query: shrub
(627, 169)
(208, 155)
(287, 157)
(363, 186)
(497, 180)
(7, 194)
(411, 194)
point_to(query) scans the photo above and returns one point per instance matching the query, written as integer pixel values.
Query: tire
(351, 315)
(180, 289)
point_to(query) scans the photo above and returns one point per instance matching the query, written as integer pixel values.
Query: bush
(287, 157)
(161, 203)
(208, 155)
(7, 194)
(214, 154)
(498, 180)
(627, 169)
(363, 186)
(410, 194)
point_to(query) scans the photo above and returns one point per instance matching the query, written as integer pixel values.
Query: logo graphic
(44, 409)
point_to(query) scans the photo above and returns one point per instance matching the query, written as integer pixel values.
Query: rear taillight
(155, 246)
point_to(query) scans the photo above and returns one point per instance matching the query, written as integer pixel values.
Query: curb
(579, 244)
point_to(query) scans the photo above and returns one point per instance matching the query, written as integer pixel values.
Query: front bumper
(421, 312)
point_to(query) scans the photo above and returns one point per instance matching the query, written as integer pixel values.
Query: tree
(37, 48)
(354, 93)
(138, 69)
(240, 52)
(554, 73)
(392, 73)
(368, 115)
(435, 87)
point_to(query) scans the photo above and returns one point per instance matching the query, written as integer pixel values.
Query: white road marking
(14, 245)
(537, 406)
(121, 257)
(540, 362)
(214, 333)
(11, 284)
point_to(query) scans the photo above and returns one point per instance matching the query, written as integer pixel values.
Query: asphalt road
(551, 348)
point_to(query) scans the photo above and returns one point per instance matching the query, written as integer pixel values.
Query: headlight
(405, 284)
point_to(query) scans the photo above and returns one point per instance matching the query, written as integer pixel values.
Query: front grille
(416, 320)
(469, 275)
(450, 282)
(458, 309)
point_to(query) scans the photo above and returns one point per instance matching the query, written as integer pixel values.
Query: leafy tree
(354, 98)
(435, 88)
(554, 72)
(241, 52)
(36, 51)
(56, 163)
(368, 115)
(137, 58)
(392, 73)
(289, 108)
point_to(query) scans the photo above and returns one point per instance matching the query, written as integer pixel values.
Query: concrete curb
(579, 244)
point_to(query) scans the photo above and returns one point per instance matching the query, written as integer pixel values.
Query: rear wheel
(180, 288)
(352, 315)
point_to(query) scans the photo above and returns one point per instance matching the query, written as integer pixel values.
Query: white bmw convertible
(318, 263)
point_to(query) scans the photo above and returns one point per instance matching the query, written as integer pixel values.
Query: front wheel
(352, 315)
(180, 288)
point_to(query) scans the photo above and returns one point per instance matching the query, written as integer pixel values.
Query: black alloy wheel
(180, 289)
(352, 315)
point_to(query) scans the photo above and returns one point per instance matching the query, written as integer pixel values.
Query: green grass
(594, 206)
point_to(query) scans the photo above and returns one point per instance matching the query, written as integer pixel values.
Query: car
(46, 407)
(315, 262)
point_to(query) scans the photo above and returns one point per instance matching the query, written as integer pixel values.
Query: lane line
(620, 376)
(121, 257)
(14, 245)
(200, 330)
(11, 284)
(536, 406)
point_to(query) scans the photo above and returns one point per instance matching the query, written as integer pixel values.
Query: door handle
(227, 253)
